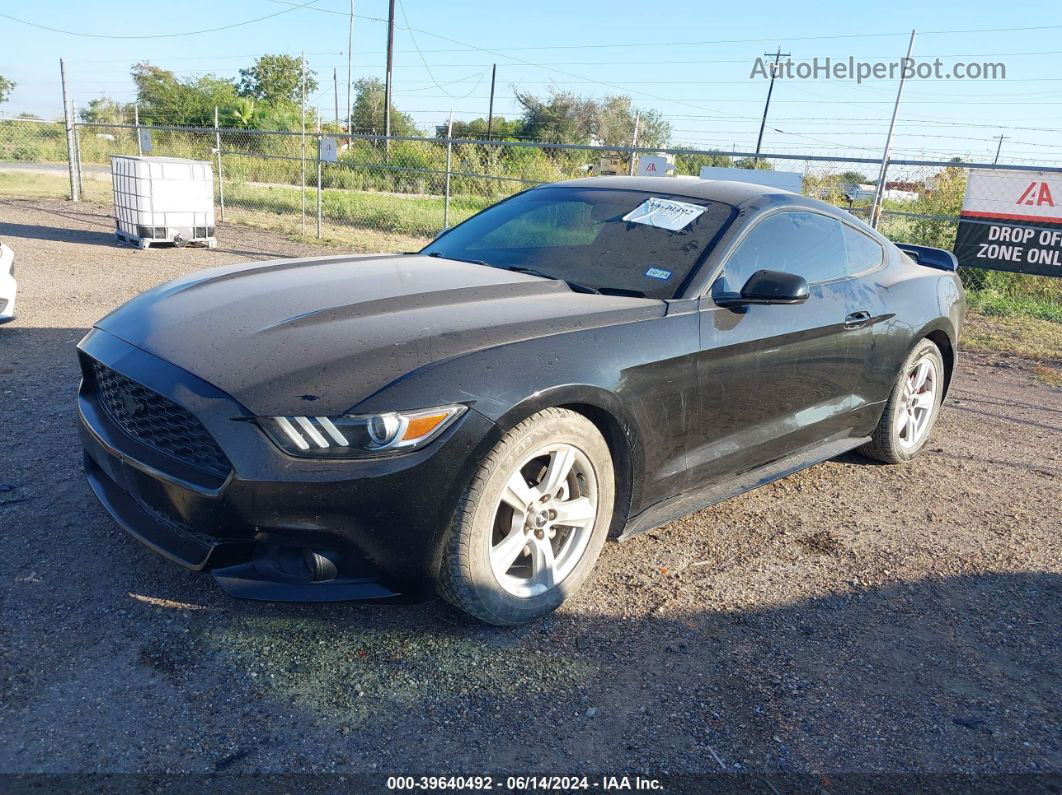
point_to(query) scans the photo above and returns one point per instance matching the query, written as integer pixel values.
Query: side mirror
(769, 287)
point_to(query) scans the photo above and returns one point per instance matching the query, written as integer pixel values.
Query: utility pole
(350, 45)
(75, 192)
(998, 148)
(335, 90)
(490, 111)
(634, 143)
(302, 157)
(778, 55)
(390, 66)
(879, 194)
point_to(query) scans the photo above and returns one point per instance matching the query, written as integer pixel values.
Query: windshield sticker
(664, 214)
(658, 273)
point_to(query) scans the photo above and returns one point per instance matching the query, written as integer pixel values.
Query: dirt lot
(852, 617)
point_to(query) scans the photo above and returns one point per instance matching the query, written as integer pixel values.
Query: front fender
(635, 380)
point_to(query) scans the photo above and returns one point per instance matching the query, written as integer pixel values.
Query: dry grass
(1052, 376)
(356, 239)
(1024, 336)
(30, 185)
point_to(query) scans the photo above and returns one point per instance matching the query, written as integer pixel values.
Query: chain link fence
(396, 194)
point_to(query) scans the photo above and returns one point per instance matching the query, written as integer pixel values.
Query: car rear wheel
(912, 407)
(532, 521)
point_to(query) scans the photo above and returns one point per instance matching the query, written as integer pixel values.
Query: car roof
(720, 190)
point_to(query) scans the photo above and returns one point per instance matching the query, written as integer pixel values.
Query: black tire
(886, 444)
(466, 578)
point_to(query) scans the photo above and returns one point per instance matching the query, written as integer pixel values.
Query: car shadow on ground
(949, 674)
(946, 674)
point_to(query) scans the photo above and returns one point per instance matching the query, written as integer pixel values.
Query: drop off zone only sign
(1012, 221)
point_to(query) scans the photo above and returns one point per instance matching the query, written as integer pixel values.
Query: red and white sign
(1012, 221)
(653, 166)
(1014, 195)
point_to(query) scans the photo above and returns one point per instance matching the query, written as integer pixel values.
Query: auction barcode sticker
(664, 213)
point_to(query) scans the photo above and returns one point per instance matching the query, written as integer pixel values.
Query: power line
(424, 61)
(157, 35)
(693, 62)
(831, 37)
(526, 63)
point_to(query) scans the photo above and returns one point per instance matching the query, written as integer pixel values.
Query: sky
(691, 61)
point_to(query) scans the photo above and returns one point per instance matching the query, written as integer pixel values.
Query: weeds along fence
(396, 194)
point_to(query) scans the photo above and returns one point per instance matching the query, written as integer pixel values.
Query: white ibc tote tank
(163, 200)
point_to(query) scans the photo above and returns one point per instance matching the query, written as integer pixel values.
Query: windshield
(580, 235)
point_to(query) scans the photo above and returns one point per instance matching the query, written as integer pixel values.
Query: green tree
(245, 113)
(562, 118)
(853, 178)
(367, 112)
(283, 117)
(276, 79)
(692, 164)
(751, 162)
(500, 129)
(166, 99)
(6, 87)
(105, 110)
(944, 197)
(567, 118)
(615, 119)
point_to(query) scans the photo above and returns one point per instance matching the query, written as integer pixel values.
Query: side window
(807, 244)
(864, 252)
(546, 225)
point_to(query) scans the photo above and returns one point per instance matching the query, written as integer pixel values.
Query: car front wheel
(532, 521)
(912, 407)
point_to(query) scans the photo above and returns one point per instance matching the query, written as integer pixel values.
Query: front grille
(157, 422)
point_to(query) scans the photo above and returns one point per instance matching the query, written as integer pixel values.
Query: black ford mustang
(585, 359)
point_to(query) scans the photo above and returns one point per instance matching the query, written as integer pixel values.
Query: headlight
(359, 436)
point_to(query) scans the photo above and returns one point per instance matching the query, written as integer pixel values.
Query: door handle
(856, 320)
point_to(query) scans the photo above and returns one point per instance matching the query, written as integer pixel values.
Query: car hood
(334, 330)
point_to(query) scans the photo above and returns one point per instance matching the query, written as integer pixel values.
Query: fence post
(879, 195)
(217, 154)
(75, 188)
(136, 127)
(319, 174)
(77, 150)
(449, 160)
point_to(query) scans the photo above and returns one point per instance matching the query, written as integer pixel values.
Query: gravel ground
(852, 617)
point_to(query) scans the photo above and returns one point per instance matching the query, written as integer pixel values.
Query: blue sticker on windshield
(658, 273)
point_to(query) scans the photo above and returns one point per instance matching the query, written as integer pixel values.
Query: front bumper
(381, 520)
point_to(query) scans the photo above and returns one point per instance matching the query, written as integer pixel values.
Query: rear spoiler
(939, 258)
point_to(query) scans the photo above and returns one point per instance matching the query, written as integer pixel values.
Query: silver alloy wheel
(544, 520)
(914, 410)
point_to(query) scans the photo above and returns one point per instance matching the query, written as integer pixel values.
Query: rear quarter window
(864, 253)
